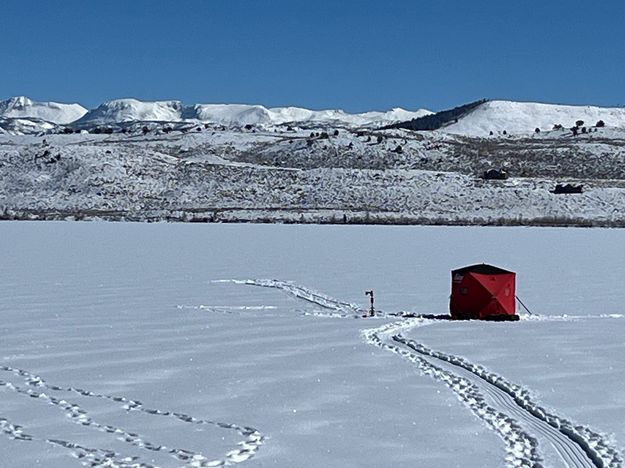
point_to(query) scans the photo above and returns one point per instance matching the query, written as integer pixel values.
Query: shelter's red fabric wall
(475, 295)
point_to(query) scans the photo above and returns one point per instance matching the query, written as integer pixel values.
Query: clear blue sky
(356, 55)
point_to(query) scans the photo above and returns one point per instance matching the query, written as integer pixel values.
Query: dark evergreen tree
(436, 121)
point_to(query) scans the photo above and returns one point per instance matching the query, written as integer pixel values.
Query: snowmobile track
(37, 388)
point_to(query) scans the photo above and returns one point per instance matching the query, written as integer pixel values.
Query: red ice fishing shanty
(483, 292)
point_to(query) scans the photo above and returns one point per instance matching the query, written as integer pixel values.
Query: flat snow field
(136, 345)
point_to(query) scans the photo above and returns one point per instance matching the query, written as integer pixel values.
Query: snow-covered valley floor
(202, 345)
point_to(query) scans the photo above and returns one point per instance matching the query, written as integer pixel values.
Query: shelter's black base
(490, 318)
(424, 316)
(503, 318)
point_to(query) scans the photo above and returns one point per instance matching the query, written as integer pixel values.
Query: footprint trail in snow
(38, 389)
(337, 308)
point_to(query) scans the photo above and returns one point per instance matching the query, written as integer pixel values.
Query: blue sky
(356, 55)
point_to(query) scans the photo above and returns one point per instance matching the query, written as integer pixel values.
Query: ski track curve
(578, 446)
(37, 388)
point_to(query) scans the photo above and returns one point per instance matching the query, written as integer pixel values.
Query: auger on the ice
(371, 309)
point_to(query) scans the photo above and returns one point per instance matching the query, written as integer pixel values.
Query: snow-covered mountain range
(129, 110)
(132, 110)
(20, 115)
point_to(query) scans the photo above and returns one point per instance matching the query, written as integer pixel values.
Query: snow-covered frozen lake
(124, 345)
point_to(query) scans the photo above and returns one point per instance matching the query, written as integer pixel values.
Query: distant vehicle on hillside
(568, 188)
(495, 174)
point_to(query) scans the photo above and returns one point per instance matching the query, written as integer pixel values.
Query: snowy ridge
(241, 114)
(21, 107)
(229, 114)
(131, 110)
(524, 117)
(37, 388)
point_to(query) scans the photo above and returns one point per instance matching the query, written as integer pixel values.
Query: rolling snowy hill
(22, 107)
(524, 117)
